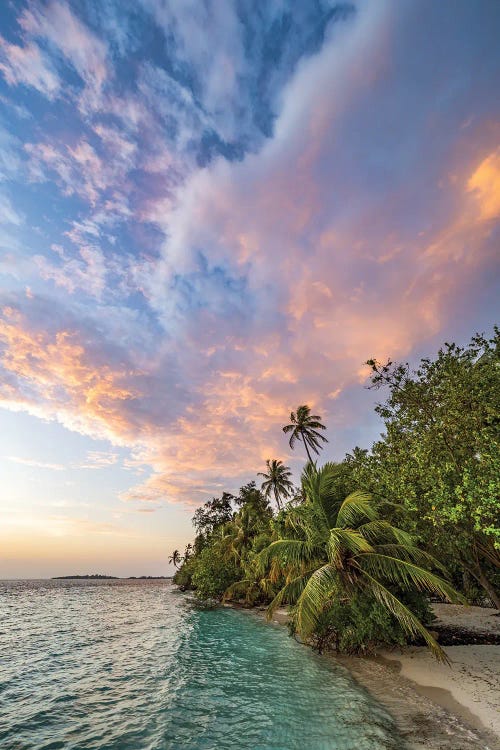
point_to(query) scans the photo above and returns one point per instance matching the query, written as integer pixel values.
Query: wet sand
(470, 686)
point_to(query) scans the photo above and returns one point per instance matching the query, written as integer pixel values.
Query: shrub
(361, 625)
(213, 573)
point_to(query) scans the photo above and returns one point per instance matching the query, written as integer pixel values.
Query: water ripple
(132, 665)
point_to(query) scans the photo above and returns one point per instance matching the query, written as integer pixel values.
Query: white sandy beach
(472, 680)
(473, 677)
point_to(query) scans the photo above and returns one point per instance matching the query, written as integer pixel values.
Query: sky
(211, 212)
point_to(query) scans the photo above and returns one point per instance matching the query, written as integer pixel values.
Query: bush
(361, 625)
(183, 577)
(213, 574)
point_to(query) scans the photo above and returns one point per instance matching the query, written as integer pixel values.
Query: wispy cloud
(28, 65)
(86, 53)
(485, 185)
(99, 460)
(8, 214)
(79, 169)
(87, 272)
(33, 463)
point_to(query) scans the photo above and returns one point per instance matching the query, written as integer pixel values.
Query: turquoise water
(121, 665)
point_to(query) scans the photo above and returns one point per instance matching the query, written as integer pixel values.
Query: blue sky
(210, 213)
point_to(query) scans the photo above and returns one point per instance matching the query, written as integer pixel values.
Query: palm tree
(304, 426)
(235, 537)
(342, 547)
(276, 481)
(175, 558)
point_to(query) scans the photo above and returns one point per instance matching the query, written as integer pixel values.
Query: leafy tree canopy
(440, 455)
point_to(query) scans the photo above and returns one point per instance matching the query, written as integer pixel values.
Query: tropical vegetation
(358, 549)
(277, 481)
(304, 427)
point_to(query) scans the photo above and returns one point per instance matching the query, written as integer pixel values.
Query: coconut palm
(235, 537)
(276, 481)
(175, 558)
(304, 426)
(342, 547)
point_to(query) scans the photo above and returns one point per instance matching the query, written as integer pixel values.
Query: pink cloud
(29, 66)
(79, 169)
(485, 186)
(56, 23)
(52, 375)
(86, 273)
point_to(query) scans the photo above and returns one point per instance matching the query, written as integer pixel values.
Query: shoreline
(435, 707)
(429, 718)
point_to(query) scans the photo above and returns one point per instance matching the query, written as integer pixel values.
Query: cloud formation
(202, 260)
(28, 65)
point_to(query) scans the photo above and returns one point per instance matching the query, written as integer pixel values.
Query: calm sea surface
(124, 665)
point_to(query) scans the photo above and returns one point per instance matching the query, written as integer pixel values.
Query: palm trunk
(277, 498)
(490, 589)
(486, 585)
(307, 449)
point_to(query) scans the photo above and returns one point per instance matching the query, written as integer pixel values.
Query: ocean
(136, 665)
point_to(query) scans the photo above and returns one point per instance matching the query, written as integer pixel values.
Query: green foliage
(213, 573)
(250, 496)
(342, 549)
(361, 624)
(175, 558)
(277, 481)
(224, 550)
(213, 514)
(440, 456)
(184, 576)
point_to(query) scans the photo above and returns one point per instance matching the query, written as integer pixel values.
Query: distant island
(94, 575)
(100, 577)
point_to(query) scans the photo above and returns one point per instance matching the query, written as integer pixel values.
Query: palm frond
(377, 531)
(357, 507)
(316, 418)
(410, 553)
(408, 621)
(380, 532)
(311, 603)
(312, 429)
(290, 592)
(402, 537)
(341, 540)
(239, 587)
(319, 488)
(287, 552)
(408, 576)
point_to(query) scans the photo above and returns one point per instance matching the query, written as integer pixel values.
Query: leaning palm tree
(304, 426)
(276, 481)
(175, 558)
(342, 547)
